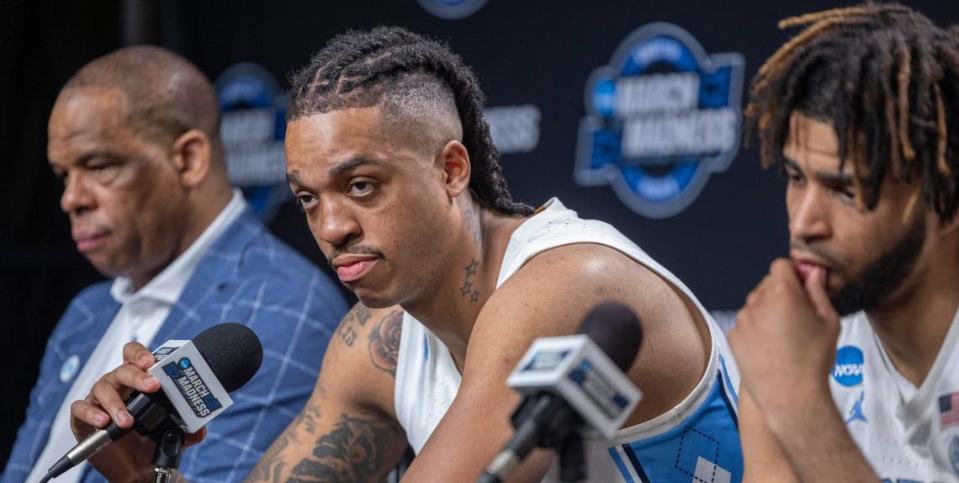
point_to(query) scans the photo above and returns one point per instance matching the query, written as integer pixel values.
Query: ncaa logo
(452, 9)
(661, 117)
(252, 128)
(849, 366)
(546, 360)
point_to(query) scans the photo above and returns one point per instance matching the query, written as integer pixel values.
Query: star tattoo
(465, 289)
(471, 268)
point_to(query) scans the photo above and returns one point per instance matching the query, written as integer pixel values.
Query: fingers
(782, 284)
(111, 402)
(783, 270)
(742, 318)
(138, 355)
(816, 289)
(110, 392)
(89, 414)
(129, 376)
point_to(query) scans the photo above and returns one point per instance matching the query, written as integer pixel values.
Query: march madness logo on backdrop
(452, 9)
(252, 128)
(661, 117)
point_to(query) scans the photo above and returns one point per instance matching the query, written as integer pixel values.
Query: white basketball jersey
(696, 441)
(908, 434)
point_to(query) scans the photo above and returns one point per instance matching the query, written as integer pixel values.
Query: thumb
(195, 438)
(816, 290)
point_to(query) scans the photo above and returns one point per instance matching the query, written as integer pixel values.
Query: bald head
(166, 95)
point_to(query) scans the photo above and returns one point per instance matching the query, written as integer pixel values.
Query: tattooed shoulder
(361, 313)
(358, 316)
(385, 342)
(383, 336)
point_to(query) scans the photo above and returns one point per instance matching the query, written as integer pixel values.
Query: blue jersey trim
(621, 466)
(636, 465)
(710, 433)
(728, 381)
(729, 405)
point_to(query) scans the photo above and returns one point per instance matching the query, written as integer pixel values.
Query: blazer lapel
(215, 271)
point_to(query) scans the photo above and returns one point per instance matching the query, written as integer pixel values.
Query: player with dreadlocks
(391, 160)
(848, 349)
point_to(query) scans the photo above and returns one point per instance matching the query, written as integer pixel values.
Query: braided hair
(887, 79)
(366, 68)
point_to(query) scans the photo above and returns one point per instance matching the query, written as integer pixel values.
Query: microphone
(571, 379)
(195, 378)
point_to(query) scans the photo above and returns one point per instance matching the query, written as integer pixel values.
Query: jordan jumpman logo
(856, 412)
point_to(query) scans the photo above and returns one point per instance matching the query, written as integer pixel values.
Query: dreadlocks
(887, 79)
(403, 71)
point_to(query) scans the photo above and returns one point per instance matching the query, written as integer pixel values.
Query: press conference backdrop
(627, 111)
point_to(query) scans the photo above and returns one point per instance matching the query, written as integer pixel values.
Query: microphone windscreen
(616, 330)
(232, 351)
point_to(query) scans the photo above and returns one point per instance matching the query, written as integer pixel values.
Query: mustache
(353, 250)
(818, 251)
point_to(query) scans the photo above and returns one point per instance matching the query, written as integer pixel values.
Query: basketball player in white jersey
(392, 162)
(848, 350)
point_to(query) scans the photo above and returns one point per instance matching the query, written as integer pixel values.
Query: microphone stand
(166, 457)
(546, 422)
(572, 464)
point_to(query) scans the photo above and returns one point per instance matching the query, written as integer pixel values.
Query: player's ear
(455, 162)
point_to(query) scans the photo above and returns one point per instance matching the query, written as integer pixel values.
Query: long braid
(887, 79)
(356, 68)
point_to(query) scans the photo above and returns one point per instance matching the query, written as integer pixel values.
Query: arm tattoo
(357, 317)
(271, 465)
(354, 451)
(385, 342)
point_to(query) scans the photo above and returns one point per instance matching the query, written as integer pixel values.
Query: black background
(524, 52)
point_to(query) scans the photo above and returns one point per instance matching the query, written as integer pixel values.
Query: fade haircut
(887, 79)
(411, 78)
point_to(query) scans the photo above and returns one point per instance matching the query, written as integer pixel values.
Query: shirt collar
(169, 283)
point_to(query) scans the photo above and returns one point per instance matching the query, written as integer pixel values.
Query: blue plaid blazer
(247, 276)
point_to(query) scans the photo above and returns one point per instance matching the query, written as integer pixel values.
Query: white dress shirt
(141, 314)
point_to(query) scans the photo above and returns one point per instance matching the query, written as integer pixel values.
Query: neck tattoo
(468, 290)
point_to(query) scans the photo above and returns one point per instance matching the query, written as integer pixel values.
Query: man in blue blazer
(135, 137)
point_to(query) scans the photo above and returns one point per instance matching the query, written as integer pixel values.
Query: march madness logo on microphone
(661, 117)
(192, 387)
(601, 391)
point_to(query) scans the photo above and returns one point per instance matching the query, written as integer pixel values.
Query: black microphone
(195, 377)
(569, 379)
